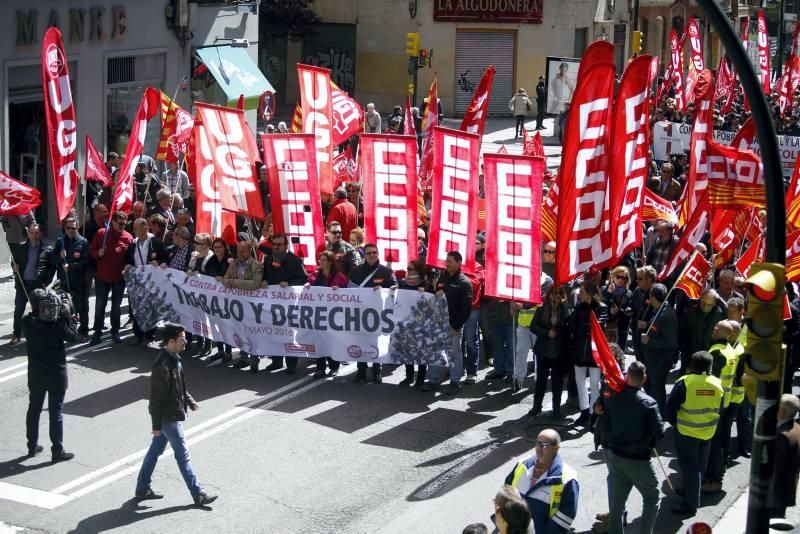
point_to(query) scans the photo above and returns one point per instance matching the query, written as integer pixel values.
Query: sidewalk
(735, 519)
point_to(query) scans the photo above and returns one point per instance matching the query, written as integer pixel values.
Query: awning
(236, 73)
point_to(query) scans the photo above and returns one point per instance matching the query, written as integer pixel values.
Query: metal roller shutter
(475, 51)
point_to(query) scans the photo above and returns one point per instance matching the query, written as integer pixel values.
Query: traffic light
(412, 65)
(423, 58)
(764, 349)
(411, 88)
(412, 44)
(636, 44)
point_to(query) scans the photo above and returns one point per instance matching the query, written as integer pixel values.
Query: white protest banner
(672, 137)
(365, 325)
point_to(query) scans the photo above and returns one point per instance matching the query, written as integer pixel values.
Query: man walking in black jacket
(47, 369)
(634, 426)
(70, 258)
(169, 403)
(457, 288)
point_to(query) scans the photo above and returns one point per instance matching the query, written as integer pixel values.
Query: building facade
(115, 48)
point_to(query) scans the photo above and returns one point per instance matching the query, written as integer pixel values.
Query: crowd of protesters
(696, 344)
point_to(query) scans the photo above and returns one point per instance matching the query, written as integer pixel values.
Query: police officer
(724, 368)
(693, 408)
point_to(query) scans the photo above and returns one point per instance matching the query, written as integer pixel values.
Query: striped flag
(793, 256)
(550, 214)
(654, 207)
(692, 280)
(297, 119)
(168, 121)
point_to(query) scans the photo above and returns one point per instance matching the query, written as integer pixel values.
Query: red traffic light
(423, 52)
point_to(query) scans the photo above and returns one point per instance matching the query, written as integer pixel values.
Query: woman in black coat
(551, 325)
(589, 300)
(215, 267)
(618, 298)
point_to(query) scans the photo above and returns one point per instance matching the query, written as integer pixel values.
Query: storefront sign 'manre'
(95, 23)
(528, 11)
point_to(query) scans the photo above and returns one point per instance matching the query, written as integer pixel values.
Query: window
(126, 80)
(580, 41)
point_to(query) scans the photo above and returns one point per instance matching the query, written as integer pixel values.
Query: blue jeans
(172, 433)
(502, 341)
(102, 289)
(55, 405)
(471, 342)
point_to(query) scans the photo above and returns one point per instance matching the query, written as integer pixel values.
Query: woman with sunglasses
(216, 267)
(551, 326)
(415, 279)
(197, 264)
(326, 275)
(618, 298)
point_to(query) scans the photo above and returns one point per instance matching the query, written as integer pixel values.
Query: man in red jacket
(344, 212)
(108, 248)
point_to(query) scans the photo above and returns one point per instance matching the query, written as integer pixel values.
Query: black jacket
(216, 267)
(77, 260)
(458, 290)
(383, 277)
(169, 398)
(663, 337)
(291, 270)
(582, 334)
(44, 268)
(156, 251)
(633, 424)
(47, 358)
(547, 347)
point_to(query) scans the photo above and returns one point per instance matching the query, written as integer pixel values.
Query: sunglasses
(620, 277)
(335, 232)
(549, 251)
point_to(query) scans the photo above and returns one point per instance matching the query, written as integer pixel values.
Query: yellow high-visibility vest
(699, 413)
(728, 371)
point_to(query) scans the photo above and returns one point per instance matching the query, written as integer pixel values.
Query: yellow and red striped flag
(168, 120)
(692, 280)
(297, 119)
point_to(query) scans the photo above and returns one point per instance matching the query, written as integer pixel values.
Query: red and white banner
(724, 75)
(429, 120)
(344, 168)
(793, 256)
(390, 196)
(408, 119)
(792, 200)
(475, 116)
(691, 236)
(600, 51)
(294, 192)
(746, 136)
(763, 53)
(630, 149)
(61, 123)
(316, 103)
(234, 154)
(677, 70)
(735, 178)
(754, 253)
(584, 233)
(654, 207)
(532, 145)
(603, 357)
(727, 232)
(513, 227)
(17, 198)
(347, 115)
(790, 78)
(96, 170)
(693, 279)
(211, 218)
(697, 181)
(455, 195)
(696, 63)
(550, 214)
(123, 190)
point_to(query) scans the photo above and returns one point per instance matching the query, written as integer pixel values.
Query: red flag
(696, 63)
(789, 80)
(315, 93)
(754, 229)
(598, 52)
(792, 200)
(532, 145)
(513, 226)
(297, 120)
(666, 83)
(692, 235)
(390, 196)
(475, 116)
(692, 280)
(211, 218)
(294, 192)
(61, 122)
(96, 170)
(697, 181)
(123, 192)
(455, 193)
(677, 70)
(763, 53)
(746, 136)
(734, 87)
(654, 207)
(603, 357)
(735, 178)
(344, 167)
(754, 253)
(793, 256)
(630, 150)
(429, 120)
(550, 214)
(724, 74)
(584, 240)
(481, 226)
(408, 119)
(347, 115)
(240, 103)
(17, 198)
(727, 232)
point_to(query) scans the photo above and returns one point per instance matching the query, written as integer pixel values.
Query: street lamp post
(762, 463)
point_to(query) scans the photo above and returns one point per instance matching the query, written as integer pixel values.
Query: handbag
(528, 105)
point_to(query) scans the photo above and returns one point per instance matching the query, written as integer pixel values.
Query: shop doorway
(27, 140)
